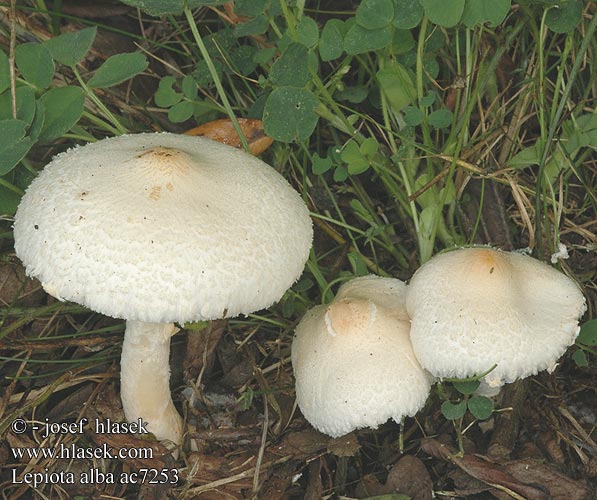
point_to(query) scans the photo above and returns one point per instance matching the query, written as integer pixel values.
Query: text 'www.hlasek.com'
(58, 443)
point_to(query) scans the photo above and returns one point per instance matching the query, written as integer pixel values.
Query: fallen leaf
(314, 489)
(223, 131)
(486, 471)
(301, 444)
(408, 476)
(560, 486)
(344, 446)
(201, 346)
(17, 289)
(277, 485)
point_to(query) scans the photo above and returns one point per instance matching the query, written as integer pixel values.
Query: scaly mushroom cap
(354, 367)
(163, 228)
(386, 292)
(476, 307)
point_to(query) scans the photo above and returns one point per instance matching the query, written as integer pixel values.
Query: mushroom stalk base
(145, 379)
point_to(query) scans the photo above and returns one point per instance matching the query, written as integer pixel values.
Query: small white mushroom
(157, 229)
(386, 292)
(475, 308)
(353, 362)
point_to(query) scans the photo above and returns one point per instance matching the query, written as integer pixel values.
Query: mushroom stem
(145, 376)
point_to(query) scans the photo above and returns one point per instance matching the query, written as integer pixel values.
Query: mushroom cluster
(158, 229)
(353, 362)
(371, 353)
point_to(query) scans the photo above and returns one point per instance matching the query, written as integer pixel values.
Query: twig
(263, 436)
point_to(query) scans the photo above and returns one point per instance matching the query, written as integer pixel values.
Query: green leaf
(35, 64)
(38, 121)
(14, 144)
(412, 116)
(408, 14)
(446, 13)
(181, 112)
(331, 44)
(402, 42)
(431, 67)
(291, 68)
(202, 75)
(242, 59)
(25, 97)
(481, 407)
(354, 157)
(340, 174)
(359, 268)
(4, 72)
(441, 118)
(528, 156)
(466, 387)
(397, 85)
(162, 7)
(580, 358)
(9, 200)
(63, 106)
(263, 56)
(428, 220)
(250, 8)
(307, 32)
(289, 114)
(165, 95)
(453, 411)
(588, 333)
(356, 94)
(485, 11)
(564, 17)
(359, 40)
(189, 87)
(427, 100)
(369, 147)
(118, 68)
(320, 165)
(256, 26)
(70, 48)
(375, 14)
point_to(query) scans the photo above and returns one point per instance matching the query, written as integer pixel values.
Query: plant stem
(214, 75)
(588, 38)
(100, 105)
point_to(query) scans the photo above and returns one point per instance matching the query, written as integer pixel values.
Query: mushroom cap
(354, 367)
(473, 308)
(163, 228)
(386, 292)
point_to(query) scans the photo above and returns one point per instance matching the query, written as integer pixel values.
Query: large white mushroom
(474, 308)
(353, 361)
(157, 229)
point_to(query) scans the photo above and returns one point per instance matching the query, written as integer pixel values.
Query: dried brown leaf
(223, 131)
(314, 489)
(486, 471)
(408, 476)
(344, 446)
(17, 289)
(560, 486)
(301, 444)
(200, 348)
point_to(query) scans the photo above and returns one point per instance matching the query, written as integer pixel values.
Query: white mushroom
(475, 308)
(386, 292)
(353, 362)
(157, 229)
